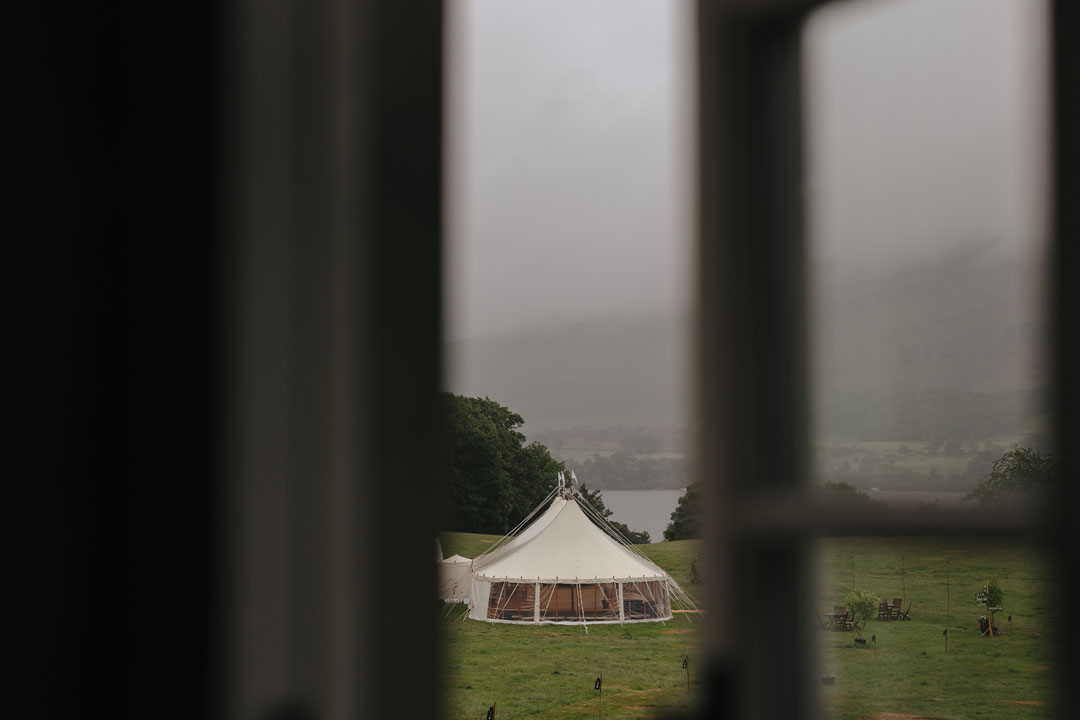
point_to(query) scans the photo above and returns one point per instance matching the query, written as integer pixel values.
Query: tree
(491, 478)
(1019, 477)
(863, 605)
(533, 472)
(686, 518)
(995, 598)
(596, 501)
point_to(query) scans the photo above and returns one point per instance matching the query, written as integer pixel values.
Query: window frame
(751, 356)
(332, 271)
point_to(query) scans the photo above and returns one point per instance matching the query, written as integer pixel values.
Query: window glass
(926, 199)
(569, 201)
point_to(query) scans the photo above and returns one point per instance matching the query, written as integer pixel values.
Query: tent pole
(622, 613)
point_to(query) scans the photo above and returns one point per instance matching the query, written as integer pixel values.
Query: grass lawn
(549, 670)
(911, 673)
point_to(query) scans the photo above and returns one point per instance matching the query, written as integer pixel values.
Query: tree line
(493, 478)
(624, 471)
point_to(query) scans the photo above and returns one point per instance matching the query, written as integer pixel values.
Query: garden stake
(946, 589)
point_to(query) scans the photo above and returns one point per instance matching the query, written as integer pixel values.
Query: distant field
(465, 544)
(944, 463)
(580, 455)
(548, 671)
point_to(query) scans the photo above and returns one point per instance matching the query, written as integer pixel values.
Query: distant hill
(966, 321)
(961, 323)
(617, 371)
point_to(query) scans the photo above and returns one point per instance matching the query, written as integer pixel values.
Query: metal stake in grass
(600, 686)
(686, 667)
(946, 588)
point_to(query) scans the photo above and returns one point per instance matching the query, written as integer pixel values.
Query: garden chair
(904, 614)
(840, 615)
(884, 610)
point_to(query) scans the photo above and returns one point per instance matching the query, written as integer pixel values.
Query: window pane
(569, 226)
(926, 197)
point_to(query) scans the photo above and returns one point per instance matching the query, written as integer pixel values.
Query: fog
(570, 201)
(569, 185)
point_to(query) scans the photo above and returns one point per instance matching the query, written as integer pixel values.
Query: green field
(548, 671)
(910, 672)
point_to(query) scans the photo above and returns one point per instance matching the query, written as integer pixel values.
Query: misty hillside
(598, 372)
(962, 323)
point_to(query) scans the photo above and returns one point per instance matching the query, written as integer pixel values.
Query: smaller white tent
(455, 579)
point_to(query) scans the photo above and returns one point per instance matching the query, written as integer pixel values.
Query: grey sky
(925, 127)
(570, 188)
(569, 137)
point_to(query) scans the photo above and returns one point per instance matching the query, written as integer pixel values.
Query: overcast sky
(568, 186)
(925, 128)
(570, 177)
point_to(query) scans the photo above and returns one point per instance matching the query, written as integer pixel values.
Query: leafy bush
(863, 605)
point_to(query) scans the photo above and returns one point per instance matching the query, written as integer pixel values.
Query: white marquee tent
(563, 568)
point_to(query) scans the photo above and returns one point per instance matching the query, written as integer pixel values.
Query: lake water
(651, 509)
(643, 509)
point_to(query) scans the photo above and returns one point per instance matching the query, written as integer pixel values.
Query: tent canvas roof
(564, 543)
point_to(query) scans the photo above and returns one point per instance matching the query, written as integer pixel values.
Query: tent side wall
(525, 601)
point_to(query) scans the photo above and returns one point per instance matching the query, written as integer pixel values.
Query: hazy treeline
(929, 415)
(624, 471)
(636, 439)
